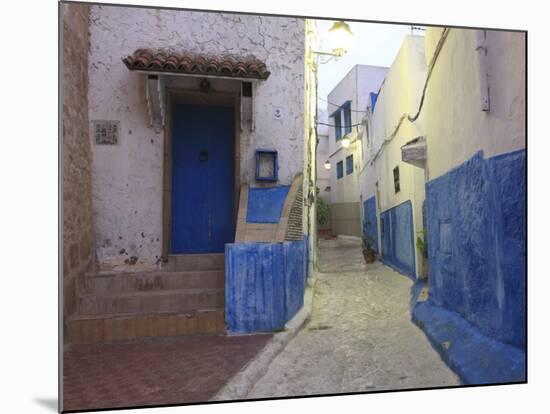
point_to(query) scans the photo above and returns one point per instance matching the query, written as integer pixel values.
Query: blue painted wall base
(476, 242)
(473, 356)
(397, 234)
(370, 224)
(264, 284)
(475, 314)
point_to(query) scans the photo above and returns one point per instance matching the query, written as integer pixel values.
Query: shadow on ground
(49, 403)
(155, 371)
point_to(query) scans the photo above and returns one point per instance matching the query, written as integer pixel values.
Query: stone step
(109, 328)
(177, 300)
(110, 283)
(193, 262)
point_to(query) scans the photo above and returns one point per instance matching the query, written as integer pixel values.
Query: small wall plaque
(106, 132)
(267, 166)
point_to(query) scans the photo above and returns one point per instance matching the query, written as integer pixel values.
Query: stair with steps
(186, 297)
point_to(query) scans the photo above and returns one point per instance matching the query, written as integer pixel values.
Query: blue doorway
(397, 235)
(203, 185)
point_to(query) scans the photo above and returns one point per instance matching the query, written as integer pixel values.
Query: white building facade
(135, 171)
(196, 153)
(323, 148)
(391, 190)
(347, 104)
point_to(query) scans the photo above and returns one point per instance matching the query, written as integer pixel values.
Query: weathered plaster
(473, 356)
(475, 206)
(309, 207)
(323, 175)
(128, 177)
(456, 126)
(476, 239)
(264, 285)
(78, 252)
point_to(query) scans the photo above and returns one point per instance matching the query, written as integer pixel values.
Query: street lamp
(345, 142)
(327, 165)
(339, 39)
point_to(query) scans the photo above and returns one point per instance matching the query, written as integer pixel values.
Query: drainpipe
(481, 49)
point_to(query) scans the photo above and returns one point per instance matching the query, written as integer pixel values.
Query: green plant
(422, 243)
(368, 242)
(323, 212)
(368, 249)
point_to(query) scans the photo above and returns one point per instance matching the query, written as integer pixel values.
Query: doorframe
(175, 96)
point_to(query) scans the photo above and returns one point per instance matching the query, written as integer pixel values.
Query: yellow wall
(456, 126)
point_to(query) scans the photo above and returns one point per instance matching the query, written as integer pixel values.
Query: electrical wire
(330, 103)
(420, 106)
(330, 125)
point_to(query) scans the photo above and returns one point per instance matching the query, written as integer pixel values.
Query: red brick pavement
(325, 234)
(153, 371)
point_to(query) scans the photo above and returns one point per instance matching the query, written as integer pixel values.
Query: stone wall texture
(78, 246)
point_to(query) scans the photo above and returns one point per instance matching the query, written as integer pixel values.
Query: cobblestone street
(360, 336)
(227, 175)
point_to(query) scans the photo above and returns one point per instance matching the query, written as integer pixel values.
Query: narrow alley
(264, 206)
(360, 336)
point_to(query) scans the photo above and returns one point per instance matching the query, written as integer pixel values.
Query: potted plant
(368, 249)
(323, 212)
(422, 245)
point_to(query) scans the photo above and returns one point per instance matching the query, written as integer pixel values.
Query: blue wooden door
(203, 183)
(398, 238)
(387, 248)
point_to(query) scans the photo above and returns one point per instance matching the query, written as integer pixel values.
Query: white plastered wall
(323, 175)
(127, 178)
(456, 126)
(356, 87)
(400, 94)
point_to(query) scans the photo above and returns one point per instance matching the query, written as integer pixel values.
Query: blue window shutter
(349, 164)
(337, 125)
(339, 169)
(347, 117)
(373, 97)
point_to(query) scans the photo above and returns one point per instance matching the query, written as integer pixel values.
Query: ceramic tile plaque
(106, 132)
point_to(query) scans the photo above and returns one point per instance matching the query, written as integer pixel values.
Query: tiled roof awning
(185, 63)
